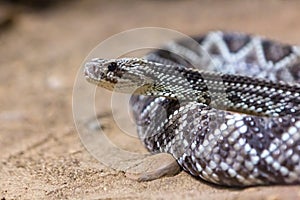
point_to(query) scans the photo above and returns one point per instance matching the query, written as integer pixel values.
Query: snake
(225, 105)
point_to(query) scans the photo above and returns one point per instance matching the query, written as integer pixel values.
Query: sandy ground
(42, 156)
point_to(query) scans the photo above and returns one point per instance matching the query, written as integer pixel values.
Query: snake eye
(112, 66)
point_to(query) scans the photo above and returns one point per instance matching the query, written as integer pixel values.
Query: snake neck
(221, 91)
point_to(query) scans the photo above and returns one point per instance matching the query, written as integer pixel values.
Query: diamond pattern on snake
(225, 105)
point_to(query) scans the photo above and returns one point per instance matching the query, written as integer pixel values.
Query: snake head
(119, 75)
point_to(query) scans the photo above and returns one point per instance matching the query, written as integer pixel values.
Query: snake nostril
(94, 69)
(85, 72)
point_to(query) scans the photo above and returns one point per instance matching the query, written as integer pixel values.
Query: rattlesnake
(232, 119)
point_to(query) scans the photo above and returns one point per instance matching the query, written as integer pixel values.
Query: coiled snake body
(232, 119)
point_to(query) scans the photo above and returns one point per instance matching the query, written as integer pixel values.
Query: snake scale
(232, 119)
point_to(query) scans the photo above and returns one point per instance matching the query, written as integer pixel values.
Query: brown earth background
(41, 50)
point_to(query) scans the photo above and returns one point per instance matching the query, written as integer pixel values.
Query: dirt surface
(41, 51)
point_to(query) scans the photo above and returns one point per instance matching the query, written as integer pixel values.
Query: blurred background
(42, 46)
